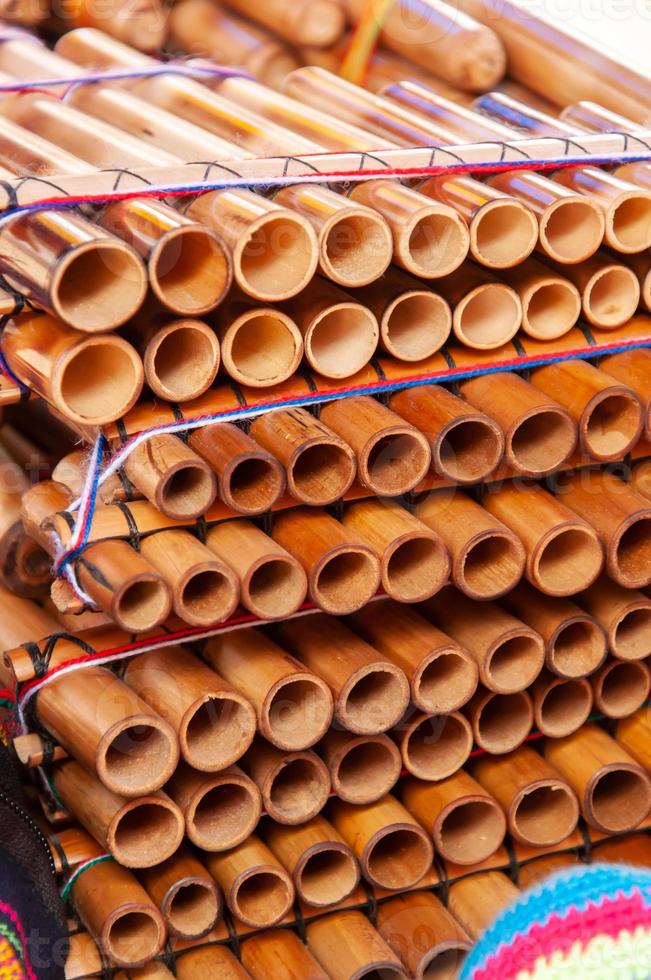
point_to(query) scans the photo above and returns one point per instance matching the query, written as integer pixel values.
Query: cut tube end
(192, 907)
(275, 588)
(503, 233)
(374, 699)
(345, 579)
(469, 830)
(618, 797)
(611, 424)
(367, 769)
(252, 483)
(321, 472)
(145, 832)
(564, 707)
(133, 935)
(469, 449)
(223, 813)
(611, 297)
(552, 309)
(503, 722)
(278, 258)
(326, 874)
(208, 594)
(394, 460)
(356, 247)
(487, 317)
(397, 856)
(143, 603)
(98, 381)
(629, 554)
(217, 731)
(572, 229)
(567, 560)
(182, 361)
(188, 490)
(137, 756)
(190, 270)
(434, 243)
(628, 222)
(436, 746)
(297, 789)
(544, 814)
(261, 348)
(98, 286)
(341, 340)
(415, 566)
(444, 681)
(490, 565)
(297, 711)
(542, 441)
(415, 325)
(622, 687)
(262, 896)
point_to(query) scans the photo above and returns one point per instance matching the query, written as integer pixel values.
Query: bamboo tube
(199, 26)
(124, 585)
(391, 846)
(451, 45)
(260, 345)
(632, 733)
(39, 502)
(83, 958)
(392, 457)
(465, 821)
(621, 687)
(204, 589)
(508, 653)
(144, 26)
(340, 335)
(214, 723)
(426, 101)
(633, 369)
(541, 808)
(476, 900)
(214, 962)
(21, 621)
(91, 380)
(281, 954)
(322, 865)
(109, 730)
(309, 22)
(633, 849)
(535, 872)
(24, 564)
(355, 243)
(220, 810)
(293, 705)
(624, 614)
(560, 706)
(622, 519)
(551, 304)
(609, 415)
(363, 768)
(571, 227)
(434, 747)
(442, 675)
(595, 118)
(414, 321)
(138, 833)
(69, 473)
(575, 643)
(33, 750)
(485, 312)
(487, 558)
(187, 896)
(500, 722)
(180, 357)
(257, 889)
(350, 948)
(467, 446)
(176, 480)
(272, 583)
(610, 291)
(320, 466)
(249, 479)
(414, 562)
(420, 930)
(294, 785)
(564, 553)
(343, 572)
(370, 692)
(119, 914)
(639, 477)
(613, 790)
(539, 433)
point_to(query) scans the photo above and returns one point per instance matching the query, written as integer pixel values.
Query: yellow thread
(364, 40)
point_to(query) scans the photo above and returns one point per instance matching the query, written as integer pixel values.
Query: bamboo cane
(119, 914)
(632, 734)
(281, 954)
(261, 346)
(109, 730)
(33, 750)
(633, 369)
(465, 821)
(322, 865)
(211, 962)
(476, 900)
(639, 477)
(214, 723)
(434, 747)
(370, 692)
(69, 473)
(363, 768)
(320, 466)
(467, 446)
(21, 621)
(256, 887)
(610, 291)
(124, 585)
(624, 614)
(83, 959)
(392, 457)
(249, 479)
(442, 674)
(560, 706)
(633, 849)
(392, 848)
(509, 654)
(540, 434)
(144, 26)
(500, 722)
(138, 833)
(428, 940)
(318, 22)
(621, 687)
(293, 705)
(272, 583)
(24, 564)
(575, 644)
(294, 785)
(613, 790)
(535, 872)
(564, 553)
(187, 896)
(609, 415)
(350, 948)
(414, 562)
(340, 335)
(180, 357)
(172, 476)
(343, 572)
(426, 100)
(89, 379)
(486, 313)
(220, 810)
(622, 520)
(488, 559)
(551, 304)
(39, 502)
(541, 808)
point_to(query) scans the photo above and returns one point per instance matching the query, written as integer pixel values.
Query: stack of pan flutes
(431, 611)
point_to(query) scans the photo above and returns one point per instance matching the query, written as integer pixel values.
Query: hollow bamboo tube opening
(182, 360)
(542, 441)
(571, 230)
(298, 711)
(133, 936)
(222, 812)
(191, 908)
(632, 551)
(503, 233)
(321, 473)
(414, 566)
(544, 814)
(562, 706)
(629, 222)
(415, 325)
(341, 339)
(145, 832)
(207, 595)
(98, 380)
(261, 896)
(432, 243)
(261, 347)
(326, 873)
(186, 491)
(630, 636)
(567, 560)
(176, 480)
(137, 756)
(364, 768)
(612, 424)
(435, 746)
(551, 309)
(618, 798)
(469, 449)
(489, 565)
(297, 790)
(373, 699)
(397, 856)
(277, 258)
(501, 722)
(189, 270)
(621, 687)
(216, 731)
(611, 296)
(577, 647)
(356, 247)
(124, 585)
(141, 604)
(487, 317)
(514, 661)
(469, 830)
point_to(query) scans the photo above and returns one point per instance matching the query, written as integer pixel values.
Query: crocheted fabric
(593, 922)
